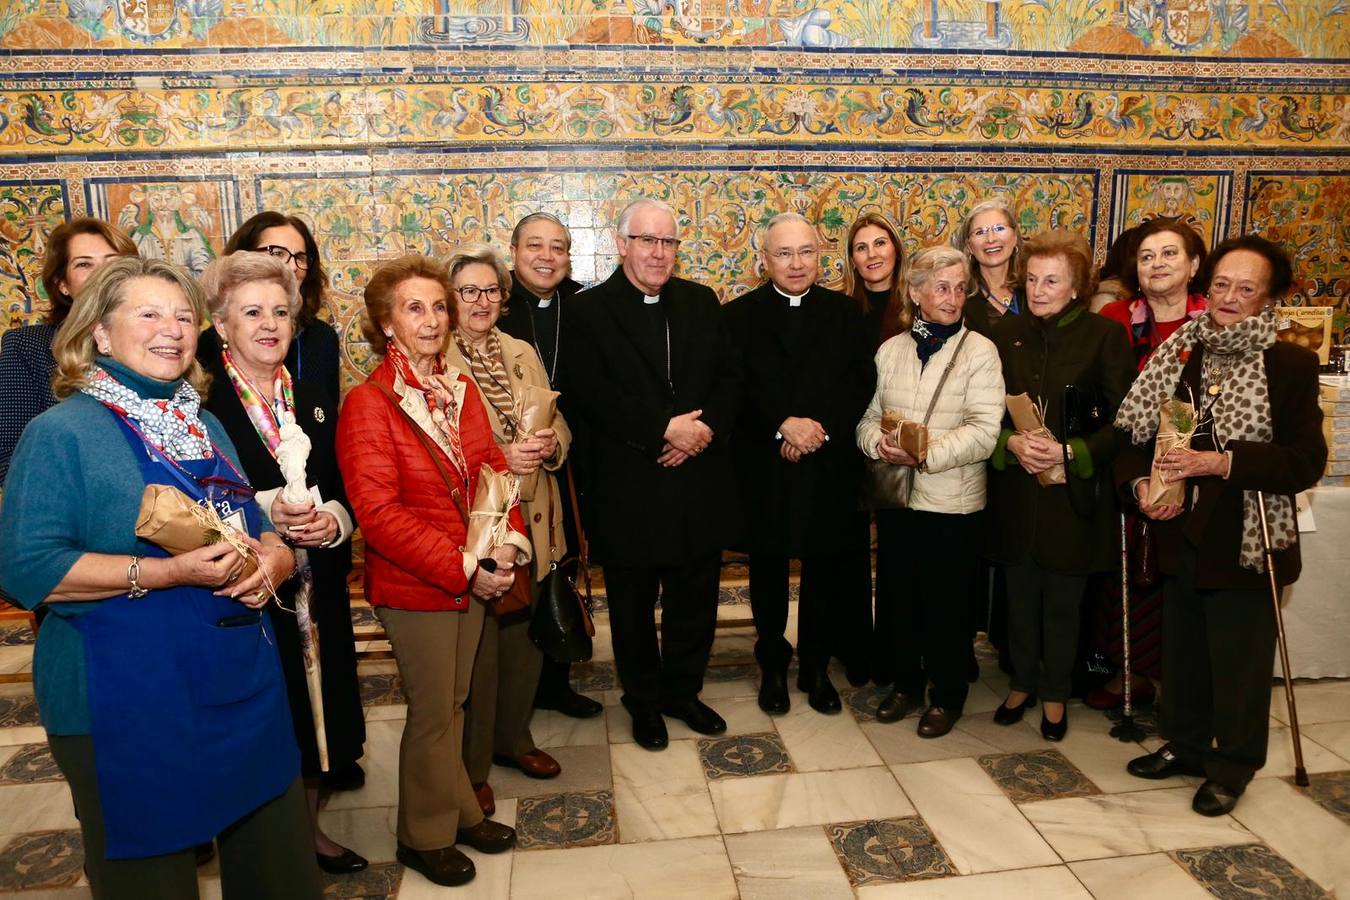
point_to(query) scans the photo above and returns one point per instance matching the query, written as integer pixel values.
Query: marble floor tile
(41, 860)
(1126, 824)
(1331, 791)
(1036, 775)
(1335, 736)
(553, 729)
(742, 715)
(1280, 755)
(1318, 702)
(380, 688)
(722, 690)
(1016, 738)
(1042, 883)
(369, 830)
(1130, 877)
(594, 676)
(15, 658)
(982, 699)
(1236, 871)
(817, 742)
(882, 851)
(29, 734)
(688, 869)
(658, 796)
(1294, 826)
(743, 755)
(899, 742)
(813, 798)
(493, 881)
(18, 710)
(381, 765)
(789, 864)
(387, 712)
(29, 764)
(862, 702)
(378, 881)
(979, 827)
(45, 806)
(583, 769)
(578, 819)
(1102, 759)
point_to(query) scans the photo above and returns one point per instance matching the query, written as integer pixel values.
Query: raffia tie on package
(534, 410)
(911, 437)
(1029, 418)
(489, 517)
(1176, 429)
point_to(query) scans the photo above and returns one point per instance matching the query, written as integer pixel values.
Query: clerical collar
(546, 302)
(649, 299)
(791, 299)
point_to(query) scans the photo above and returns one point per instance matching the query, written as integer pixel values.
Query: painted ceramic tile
(184, 222)
(28, 213)
(1200, 199)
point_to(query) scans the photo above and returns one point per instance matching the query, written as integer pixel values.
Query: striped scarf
(489, 370)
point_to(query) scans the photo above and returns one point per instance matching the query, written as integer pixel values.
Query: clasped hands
(801, 436)
(1036, 452)
(686, 437)
(302, 524)
(524, 457)
(1178, 464)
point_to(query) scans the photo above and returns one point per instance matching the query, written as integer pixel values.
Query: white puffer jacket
(965, 424)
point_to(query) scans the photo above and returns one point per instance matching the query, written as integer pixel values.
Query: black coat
(827, 374)
(982, 318)
(638, 512)
(314, 357)
(316, 414)
(1028, 523)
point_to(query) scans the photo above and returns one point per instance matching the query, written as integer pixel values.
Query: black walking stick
(1126, 730)
(1300, 773)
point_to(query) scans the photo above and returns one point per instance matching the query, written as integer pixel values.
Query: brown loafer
(487, 837)
(486, 802)
(536, 764)
(445, 865)
(936, 722)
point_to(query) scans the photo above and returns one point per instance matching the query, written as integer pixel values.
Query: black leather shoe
(773, 692)
(819, 690)
(857, 673)
(570, 704)
(350, 777)
(936, 722)
(1011, 715)
(487, 837)
(445, 865)
(1054, 731)
(896, 706)
(345, 863)
(698, 715)
(1214, 799)
(1161, 763)
(649, 729)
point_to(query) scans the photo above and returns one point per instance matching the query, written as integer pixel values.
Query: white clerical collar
(546, 302)
(791, 299)
(649, 299)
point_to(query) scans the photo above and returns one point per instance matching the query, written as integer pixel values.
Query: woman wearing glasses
(990, 240)
(315, 352)
(506, 671)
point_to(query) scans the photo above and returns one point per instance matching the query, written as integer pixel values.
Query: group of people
(782, 424)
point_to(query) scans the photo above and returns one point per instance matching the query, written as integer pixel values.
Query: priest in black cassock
(809, 375)
(653, 378)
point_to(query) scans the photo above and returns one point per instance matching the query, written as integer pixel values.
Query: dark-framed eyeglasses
(472, 293)
(275, 251)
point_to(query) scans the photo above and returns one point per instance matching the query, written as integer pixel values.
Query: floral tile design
(577, 819)
(745, 754)
(41, 859)
(15, 634)
(380, 881)
(863, 702)
(593, 677)
(1036, 775)
(381, 689)
(1331, 791)
(1146, 717)
(32, 764)
(888, 850)
(18, 712)
(363, 617)
(1248, 870)
(737, 672)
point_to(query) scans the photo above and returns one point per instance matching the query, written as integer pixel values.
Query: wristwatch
(1068, 452)
(135, 592)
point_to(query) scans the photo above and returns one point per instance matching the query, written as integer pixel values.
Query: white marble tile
(553, 729)
(583, 769)
(742, 715)
(27, 734)
(688, 869)
(493, 878)
(817, 742)
(1299, 830)
(1323, 701)
(1102, 759)
(387, 712)
(982, 699)
(1131, 877)
(7, 752)
(899, 742)
(791, 864)
(381, 765)
(978, 826)
(1280, 755)
(14, 659)
(660, 795)
(36, 807)
(1044, 883)
(1126, 824)
(370, 831)
(1016, 738)
(740, 687)
(82, 893)
(765, 802)
(1335, 736)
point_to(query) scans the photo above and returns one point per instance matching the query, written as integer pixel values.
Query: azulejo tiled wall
(399, 126)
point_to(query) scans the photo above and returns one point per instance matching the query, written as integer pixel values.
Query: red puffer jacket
(414, 533)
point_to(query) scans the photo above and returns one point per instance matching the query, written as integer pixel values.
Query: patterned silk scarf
(440, 400)
(173, 425)
(267, 418)
(488, 368)
(1241, 411)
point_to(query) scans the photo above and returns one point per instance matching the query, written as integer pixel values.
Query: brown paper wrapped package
(488, 517)
(890, 420)
(1173, 491)
(169, 519)
(912, 437)
(1027, 420)
(535, 410)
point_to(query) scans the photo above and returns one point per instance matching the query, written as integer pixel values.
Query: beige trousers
(505, 676)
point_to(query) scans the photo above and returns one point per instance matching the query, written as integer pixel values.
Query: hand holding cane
(1300, 773)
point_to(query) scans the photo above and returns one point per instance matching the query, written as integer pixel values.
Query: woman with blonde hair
(991, 242)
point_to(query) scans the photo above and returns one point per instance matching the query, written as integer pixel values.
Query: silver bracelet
(135, 592)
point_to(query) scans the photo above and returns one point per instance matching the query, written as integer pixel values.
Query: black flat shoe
(1054, 731)
(698, 715)
(1214, 799)
(571, 704)
(936, 722)
(345, 863)
(1011, 715)
(896, 706)
(773, 692)
(1161, 763)
(649, 729)
(350, 777)
(820, 692)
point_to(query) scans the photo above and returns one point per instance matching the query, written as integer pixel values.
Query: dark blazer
(640, 513)
(811, 506)
(26, 369)
(317, 415)
(1033, 524)
(315, 356)
(982, 318)
(517, 321)
(1211, 524)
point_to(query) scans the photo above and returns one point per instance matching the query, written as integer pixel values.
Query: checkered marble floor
(800, 805)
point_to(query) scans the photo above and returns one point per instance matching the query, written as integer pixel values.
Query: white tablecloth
(1317, 606)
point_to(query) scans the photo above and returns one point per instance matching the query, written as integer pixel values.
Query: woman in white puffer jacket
(931, 547)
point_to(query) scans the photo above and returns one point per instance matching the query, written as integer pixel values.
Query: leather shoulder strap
(951, 363)
(431, 449)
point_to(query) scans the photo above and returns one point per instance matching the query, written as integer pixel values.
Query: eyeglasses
(990, 231)
(472, 293)
(650, 242)
(807, 253)
(300, 259)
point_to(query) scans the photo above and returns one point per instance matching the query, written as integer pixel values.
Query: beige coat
(965, 424)
(536, 491)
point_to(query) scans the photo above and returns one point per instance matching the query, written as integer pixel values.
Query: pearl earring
(224, 344)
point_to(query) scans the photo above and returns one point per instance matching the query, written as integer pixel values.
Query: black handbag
(561, 625)
(1084, 412)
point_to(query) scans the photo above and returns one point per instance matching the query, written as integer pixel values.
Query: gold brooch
(318, 414)
(519, 373)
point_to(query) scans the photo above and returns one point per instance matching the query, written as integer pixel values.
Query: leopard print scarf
(1241, 412)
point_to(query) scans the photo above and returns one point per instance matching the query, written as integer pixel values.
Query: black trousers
(930, 606)
(769, 605)
(673, 671)
(1218, 659)
(1043, 616)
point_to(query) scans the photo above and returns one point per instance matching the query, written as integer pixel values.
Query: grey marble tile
(1036, 775)
(19, 711)
(1248, 870)
(577, 819)
(745, 754)
(888, 850)
(41, 860)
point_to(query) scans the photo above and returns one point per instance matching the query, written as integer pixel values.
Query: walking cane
(1300, 773)
(1126, 730)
